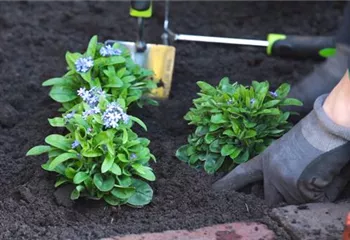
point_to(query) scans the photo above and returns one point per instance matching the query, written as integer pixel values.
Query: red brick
(231, 231)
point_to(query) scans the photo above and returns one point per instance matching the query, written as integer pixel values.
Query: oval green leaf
(80, 177)
(61, 158)
(143, 194)
(104, 183)
(37, 150)
(59, 141)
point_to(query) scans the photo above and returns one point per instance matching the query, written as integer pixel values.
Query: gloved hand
(321, 80)
(307, 164)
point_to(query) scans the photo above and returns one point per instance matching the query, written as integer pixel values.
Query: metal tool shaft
(235, 41)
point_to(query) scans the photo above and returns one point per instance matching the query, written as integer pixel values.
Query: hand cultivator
(276, 44)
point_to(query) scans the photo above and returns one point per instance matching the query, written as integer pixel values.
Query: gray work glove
(307, 164)
(321, 80)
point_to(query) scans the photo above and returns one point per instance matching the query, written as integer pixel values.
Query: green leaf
(235, 153)
(250, 133)
(62, 94)
(107, 163)
(104, 183)
(59, 141)
(104, 137)
(76, 192)
(128, 79)
(209, 138)
(124, 181)
(60, 181)
(38, 150)
(283, 90)
(181, 153)
(214, 127)
(70, 172)
(139, 122)
(62, 158)
(71, 58)
(229, 133)
(212, 163)
(123, 192)
(91, 153)
(92, 47)
(111, 200)
(125, 136)
(271, 103)
(56, 122)
(270, 111)
(227, 150)
(206, 88)
(115, 169)
(215, 147)
(57, 81)
(217, 118)
(109, 61)
(242, 158)
(291, 102)
(143, 194)
(80, 177)
(144, 171)
(114, 83)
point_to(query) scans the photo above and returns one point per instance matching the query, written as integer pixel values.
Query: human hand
(307, 164)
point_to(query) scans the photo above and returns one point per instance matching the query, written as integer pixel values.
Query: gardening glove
(307, 164)
(321, 80)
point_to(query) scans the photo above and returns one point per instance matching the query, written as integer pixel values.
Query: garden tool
(158, 58)
(276, 44)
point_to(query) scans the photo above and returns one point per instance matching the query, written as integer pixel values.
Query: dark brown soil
(33, 40)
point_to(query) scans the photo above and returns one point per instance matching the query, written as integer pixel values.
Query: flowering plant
(100, 155)
(103, 66)
(234, 123)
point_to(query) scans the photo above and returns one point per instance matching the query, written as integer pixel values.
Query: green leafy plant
(234, 123)
(101, 155)
(103, 66)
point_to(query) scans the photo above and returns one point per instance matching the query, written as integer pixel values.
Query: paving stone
(321, 221)
(231, 231)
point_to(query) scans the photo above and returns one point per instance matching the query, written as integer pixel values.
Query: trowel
(156, 57)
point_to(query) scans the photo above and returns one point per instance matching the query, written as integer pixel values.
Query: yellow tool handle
(141, 9)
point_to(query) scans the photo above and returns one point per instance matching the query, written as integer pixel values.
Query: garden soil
(34, 37)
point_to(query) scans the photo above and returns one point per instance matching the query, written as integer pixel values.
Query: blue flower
(108, 50)
(75, 144)
(113, 115)
(133, 156)
(91, 96)
(252, 101)
(91, 111)
(84, 64)
(274, 94)
(69, 115)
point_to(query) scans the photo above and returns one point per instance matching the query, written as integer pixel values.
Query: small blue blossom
(274, 94)
(109, 51)
(84, 64)
(133, 156)
(113, 114)
(89, 130)
(69, 115)
(91, 96)
(75, 144)
(252, 101)
(91, 111)
(230, 101)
